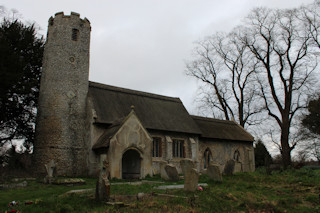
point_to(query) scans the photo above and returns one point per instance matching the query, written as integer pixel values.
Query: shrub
(261, 155)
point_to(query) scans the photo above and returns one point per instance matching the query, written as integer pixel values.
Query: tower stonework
(61, 131)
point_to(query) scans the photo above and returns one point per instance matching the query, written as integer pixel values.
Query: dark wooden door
(131, 165)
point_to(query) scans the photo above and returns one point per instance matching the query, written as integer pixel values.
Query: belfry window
(75, 34)
(178, 150)
(156, 148)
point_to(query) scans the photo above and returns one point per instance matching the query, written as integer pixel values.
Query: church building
(82, 123)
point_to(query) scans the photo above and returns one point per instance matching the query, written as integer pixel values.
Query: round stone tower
(61, 133)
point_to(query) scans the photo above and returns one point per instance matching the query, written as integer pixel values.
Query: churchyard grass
(287, 191)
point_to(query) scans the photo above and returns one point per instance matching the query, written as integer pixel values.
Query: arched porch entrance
(131, 164)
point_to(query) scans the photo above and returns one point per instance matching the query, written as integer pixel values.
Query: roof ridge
(133, 92)
(212, 119)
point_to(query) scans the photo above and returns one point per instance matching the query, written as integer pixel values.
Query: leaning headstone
(103, 184)
(50, 167)
(172, 172)
(191, 180)
(214, 173)
(163, 172)
(186, 165)
(229, 167)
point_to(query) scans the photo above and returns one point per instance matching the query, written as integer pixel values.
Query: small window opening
(206, 158)
(156, 150)
(75, 34)
(236, 156)
(178, 150)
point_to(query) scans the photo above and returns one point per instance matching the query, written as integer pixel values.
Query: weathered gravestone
(163, 172)
(186, 165)
(229, 167)
(191, 180)
(214, 173)
(50, 167)
(172, 172)
(103, 184)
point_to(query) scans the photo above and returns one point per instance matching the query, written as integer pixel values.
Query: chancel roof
(222, 129)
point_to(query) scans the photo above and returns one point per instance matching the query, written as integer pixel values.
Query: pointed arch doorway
(131, 164)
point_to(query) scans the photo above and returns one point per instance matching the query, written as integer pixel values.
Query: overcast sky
(143, 45)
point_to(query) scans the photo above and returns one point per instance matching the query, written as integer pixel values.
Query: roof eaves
(226, 140)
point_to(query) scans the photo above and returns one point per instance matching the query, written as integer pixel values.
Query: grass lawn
(288, 191)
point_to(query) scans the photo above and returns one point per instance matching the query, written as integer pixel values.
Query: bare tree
(310, 15)
(278, 40)
(223, 63)
(206, 69)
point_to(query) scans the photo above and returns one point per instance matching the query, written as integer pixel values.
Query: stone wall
(133, 136)
(222, 151)
(190, 145)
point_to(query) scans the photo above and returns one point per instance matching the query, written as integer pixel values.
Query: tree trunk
(286, 149)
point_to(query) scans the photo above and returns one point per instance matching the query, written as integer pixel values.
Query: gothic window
(206, 158)
(236, 156)
(156, 148)
(75, 34)
(178, 150)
